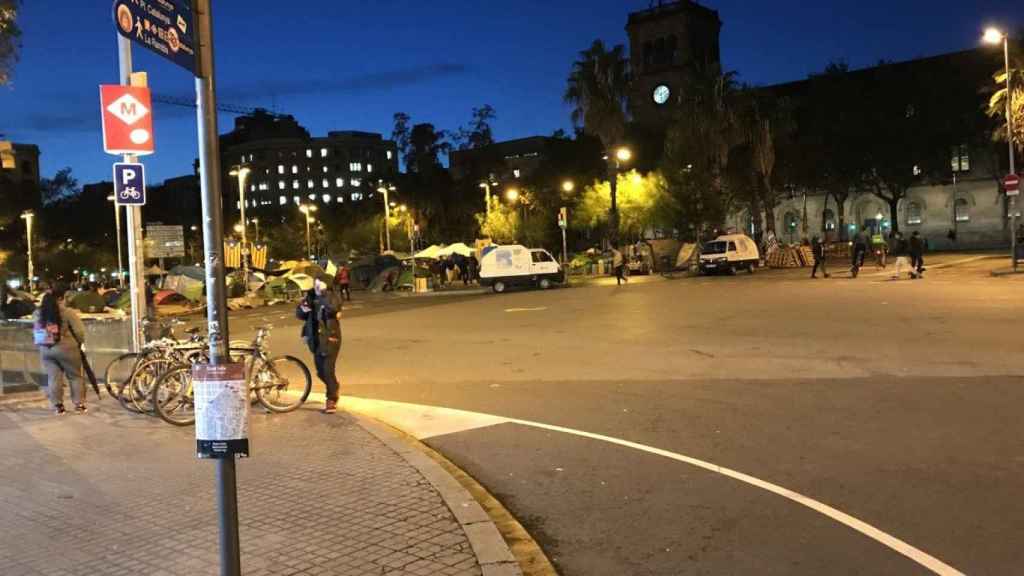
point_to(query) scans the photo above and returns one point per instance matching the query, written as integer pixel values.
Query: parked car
(729, 253)
(515, 265)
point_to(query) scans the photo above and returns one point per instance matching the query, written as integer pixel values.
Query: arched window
(914, 213)
(829, 217)
(962, 210)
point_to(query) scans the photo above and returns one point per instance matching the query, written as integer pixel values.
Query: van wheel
(544, 283)
(750, 268)
(498, 287)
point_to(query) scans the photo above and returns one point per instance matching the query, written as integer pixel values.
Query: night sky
(349, 65)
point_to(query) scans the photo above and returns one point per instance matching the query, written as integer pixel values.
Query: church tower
(665, 41)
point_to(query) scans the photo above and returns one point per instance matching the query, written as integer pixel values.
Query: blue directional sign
(163, 26)
(129, 184)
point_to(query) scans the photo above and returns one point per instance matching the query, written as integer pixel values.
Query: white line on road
(540, 309)
(425, 422)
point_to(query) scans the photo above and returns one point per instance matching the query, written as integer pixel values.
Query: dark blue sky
(350, 64)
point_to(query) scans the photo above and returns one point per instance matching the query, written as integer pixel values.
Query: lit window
(296, 200)
(280, 168)
(323, 152)
(516, 172)
(309, 152)
(281, 185)
(960, 160)
(356, 196)
(356, 182)
(326, 198)
(325, 169)
(339, 183)
(283, 200)
(295, 184)
(340, 198)
(295, 169)
(369, 167)
(917, 170)
(252, 188)
(312, 196)
(963, 210)
(390, 155)
(326, 183)
(355, 166)
(310, 184)
(914, 215)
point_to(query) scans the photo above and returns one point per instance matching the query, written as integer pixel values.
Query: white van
(728, 254)
(516, 265)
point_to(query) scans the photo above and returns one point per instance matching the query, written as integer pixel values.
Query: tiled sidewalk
(111, 494)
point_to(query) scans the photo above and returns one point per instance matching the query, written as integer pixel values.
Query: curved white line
(429, 421)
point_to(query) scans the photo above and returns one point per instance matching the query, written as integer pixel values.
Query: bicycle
(269, 379)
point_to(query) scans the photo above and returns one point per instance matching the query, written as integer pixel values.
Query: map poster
(222, 410)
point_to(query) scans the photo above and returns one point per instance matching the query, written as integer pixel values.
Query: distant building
(19, 170)
(287, 166)
(505, 161)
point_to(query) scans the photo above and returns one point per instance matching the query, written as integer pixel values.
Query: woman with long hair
(59, 336)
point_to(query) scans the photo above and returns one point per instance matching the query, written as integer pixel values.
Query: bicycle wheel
(172, 398)
(282, 384)
(118, 372)
(146, 375)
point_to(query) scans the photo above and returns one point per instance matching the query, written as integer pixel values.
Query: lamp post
(384, 189)
(486, 185)
(995, 36)
(117, 228)
(307, 210)
(28, 215)
(563, 220)
(256, 223)
(616, 160)
(242, 172)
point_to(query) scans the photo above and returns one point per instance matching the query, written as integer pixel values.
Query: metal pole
(213, 245)
(120, 261)
(1009, 140)
(133, 214)
(28, 238)
(565, 252)
(242, 173)
(309, 249)
(487, 196)
(387, 219)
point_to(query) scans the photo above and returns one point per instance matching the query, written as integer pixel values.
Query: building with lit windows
(284, 166)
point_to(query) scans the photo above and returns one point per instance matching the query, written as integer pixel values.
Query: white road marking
(540, 309)
(425, 422)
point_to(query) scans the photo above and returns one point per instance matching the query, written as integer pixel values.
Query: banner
(259, 256)
(233, 255)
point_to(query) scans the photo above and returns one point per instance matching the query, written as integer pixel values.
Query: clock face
(661, 94)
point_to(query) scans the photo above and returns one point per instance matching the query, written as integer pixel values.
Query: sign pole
(213, 246)
(133, 220)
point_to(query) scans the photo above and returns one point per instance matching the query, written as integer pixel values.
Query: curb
(491, 550)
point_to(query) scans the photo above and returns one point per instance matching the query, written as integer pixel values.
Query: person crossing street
(818, 249)
(320, 312)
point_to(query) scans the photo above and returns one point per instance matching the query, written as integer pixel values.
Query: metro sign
(1012, 185)
(127, 120)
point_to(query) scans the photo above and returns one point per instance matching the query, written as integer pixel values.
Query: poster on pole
(165, 241)
(222, 410)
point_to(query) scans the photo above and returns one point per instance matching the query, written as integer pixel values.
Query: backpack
(45, 334)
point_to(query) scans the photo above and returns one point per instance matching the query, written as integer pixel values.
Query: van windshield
(715, 247)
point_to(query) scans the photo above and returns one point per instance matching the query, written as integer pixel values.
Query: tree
(644, 204)
(479, 133)
(501, 223)
(400, 135)
(426, 145)
(9, 35)
(598, 88)
(63, 186)
(997, 103)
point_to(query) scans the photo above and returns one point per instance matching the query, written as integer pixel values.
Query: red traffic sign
(1012, 185)
(127, 119)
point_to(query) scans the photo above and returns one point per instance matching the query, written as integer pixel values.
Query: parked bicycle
(280, 384)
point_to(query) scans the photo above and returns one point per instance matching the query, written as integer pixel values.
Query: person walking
(342, 281)
(916, 255)
(59, 334)
(898, 247)
(860, 249)
(320, 311)
(818, 249)
(619, 265)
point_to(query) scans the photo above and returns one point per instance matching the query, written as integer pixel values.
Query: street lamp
(995, 36)
(621, 156)
(28, 215)
(568, 186)
(242, 172)
(256, 223)
(117, 227)
(387, 212)
(512, 194)
(307, 210)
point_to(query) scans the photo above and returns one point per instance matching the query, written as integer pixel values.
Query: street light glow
(238, 228)
(568, 186)
(993, 36)
(624, 154)
(512, 194)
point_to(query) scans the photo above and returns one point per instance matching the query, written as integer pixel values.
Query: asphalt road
(895, 404)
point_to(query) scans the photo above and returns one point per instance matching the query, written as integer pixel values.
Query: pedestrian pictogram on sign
(1012, 185)
(127, 120)
(129, 184)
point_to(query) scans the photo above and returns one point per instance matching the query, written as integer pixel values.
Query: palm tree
(9, 34)
(997, 104)
(597, 89)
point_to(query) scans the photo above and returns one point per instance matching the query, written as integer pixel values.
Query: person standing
(860, 249)
(342, 281)
(916, 255)
(619, 265)
(898, 247)
(59, 334)
(320, 311)
(818, 249)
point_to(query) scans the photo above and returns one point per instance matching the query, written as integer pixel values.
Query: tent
(189, 281)
(433, 252)
(235, 287)
(687, 252)
(457, 248)
(169, 297)
(90, 302)
(303, 281)
(280, 288)
(154, 271)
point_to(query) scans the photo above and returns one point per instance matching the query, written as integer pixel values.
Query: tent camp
(189, 281)
(235, 287)
(433, 252)
(90, 302)
(154, 271)
(280, 288)
(457, 248)
(169, 297)
(687, 253)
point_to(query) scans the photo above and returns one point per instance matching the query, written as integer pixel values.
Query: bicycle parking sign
(129, 184)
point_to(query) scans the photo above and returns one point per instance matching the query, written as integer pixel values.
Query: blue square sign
(129, 184)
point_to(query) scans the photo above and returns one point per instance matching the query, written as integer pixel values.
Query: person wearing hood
(320, 311)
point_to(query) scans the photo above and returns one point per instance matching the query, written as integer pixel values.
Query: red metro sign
(127, 120)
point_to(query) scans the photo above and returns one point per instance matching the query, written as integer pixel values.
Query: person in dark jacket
(860, 249)
(818, 249)
(320, 311)
(916, 255)
(60, 355)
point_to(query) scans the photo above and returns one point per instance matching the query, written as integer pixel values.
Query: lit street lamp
(28, 215)
(995, 36)
(117, 227)
(384, 189)
(621, 156)
(242, 173)
(568, 186)
(307, 210)
(512, 194)
(256, 223)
